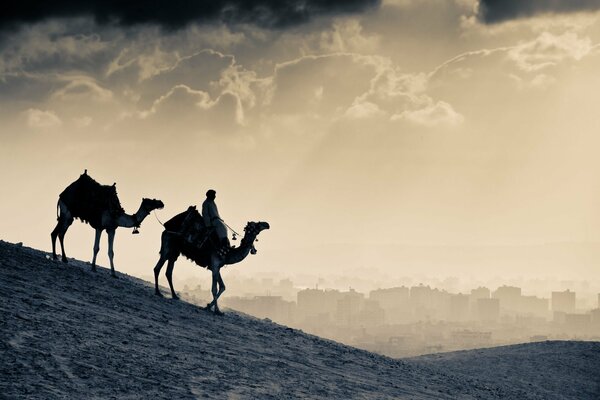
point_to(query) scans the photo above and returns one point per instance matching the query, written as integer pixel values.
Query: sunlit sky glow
(368, 136)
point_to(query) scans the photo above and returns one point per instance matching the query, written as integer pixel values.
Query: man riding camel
(213, 220)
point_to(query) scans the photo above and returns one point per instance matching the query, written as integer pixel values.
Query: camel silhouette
(202, 248)
(99, 206)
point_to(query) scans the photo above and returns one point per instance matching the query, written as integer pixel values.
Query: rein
(235, 234)
(155, 216)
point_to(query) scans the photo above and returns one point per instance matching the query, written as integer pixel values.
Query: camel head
(152, 204)
(252, 229)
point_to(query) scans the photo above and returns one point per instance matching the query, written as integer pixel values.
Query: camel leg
(111, 253)
(54, 235)
(169, 274)
(213, 290)
(55, 232)
(61, 230)
(217, 289)
(159, 265)
(221, 285)
(96, 248)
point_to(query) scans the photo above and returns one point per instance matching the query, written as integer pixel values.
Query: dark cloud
(173, 14)
(492, 11)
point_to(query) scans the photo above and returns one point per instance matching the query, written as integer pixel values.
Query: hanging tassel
(233, 237)
(135, 231)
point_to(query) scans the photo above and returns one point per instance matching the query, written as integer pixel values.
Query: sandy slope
(551, 370)
(66, 332)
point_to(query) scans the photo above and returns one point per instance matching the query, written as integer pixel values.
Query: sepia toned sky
(371, 135)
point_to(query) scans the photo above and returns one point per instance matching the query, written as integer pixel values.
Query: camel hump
(176, 223)
(88, 200)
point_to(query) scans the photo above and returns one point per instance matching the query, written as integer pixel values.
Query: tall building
(371, 314)
(313, 302)
(532, 305)
(459, 307)
(479, 293)
(488, 310)
(390, 298)
(509, 296)
(563, 301)
(349, 306)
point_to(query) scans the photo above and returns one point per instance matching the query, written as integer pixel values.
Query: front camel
(203, 249)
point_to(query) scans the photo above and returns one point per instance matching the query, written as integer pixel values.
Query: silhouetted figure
(202, 247)
(212, 220)
(99, 206)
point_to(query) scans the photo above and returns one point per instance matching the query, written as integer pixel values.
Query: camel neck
(131, 221)
(238, 254)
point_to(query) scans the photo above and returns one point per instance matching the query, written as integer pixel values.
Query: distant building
(272, 307)
(313, 302)
(532, 305)
(563, 301)
(371, 314)
(559, 316)
(391, 298)
(429, 303)
(509, 296)
(488, 310)
(578, 322)
(348, 307)
(479, 293)
(395, 302)
(459, 307)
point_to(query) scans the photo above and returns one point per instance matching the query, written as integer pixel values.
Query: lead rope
(235, 234)
(155, 216)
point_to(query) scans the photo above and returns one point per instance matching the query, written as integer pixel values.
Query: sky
(387, 138)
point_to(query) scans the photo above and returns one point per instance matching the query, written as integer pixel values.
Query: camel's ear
(115, 184)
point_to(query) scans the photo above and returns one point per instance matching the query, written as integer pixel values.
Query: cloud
(82, 88)
(41, 119)
(320, 85)
(362, 110)
(175, 14)
(494, 11)
(549, 50)
(184, 109)
(51, 47)
(435, 114)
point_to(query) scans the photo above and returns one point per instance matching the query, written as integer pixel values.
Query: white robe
(211, 216)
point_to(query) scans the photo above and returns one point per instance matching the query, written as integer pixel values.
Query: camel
(202, 248)
(99, 206)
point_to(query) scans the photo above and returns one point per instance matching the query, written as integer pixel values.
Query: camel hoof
(219, 312)
(114, 275)
(174, 297)
(158, 293)
(64, 259)
(54, 257)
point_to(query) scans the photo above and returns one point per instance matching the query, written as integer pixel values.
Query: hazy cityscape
(418, 318)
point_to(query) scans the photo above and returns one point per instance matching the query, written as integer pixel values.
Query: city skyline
(412, 320)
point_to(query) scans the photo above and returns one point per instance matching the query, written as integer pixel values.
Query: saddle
(189, 225)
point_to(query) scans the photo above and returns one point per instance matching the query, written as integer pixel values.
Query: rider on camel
(213, 220)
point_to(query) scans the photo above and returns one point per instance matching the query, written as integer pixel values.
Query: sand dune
(66, 332)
